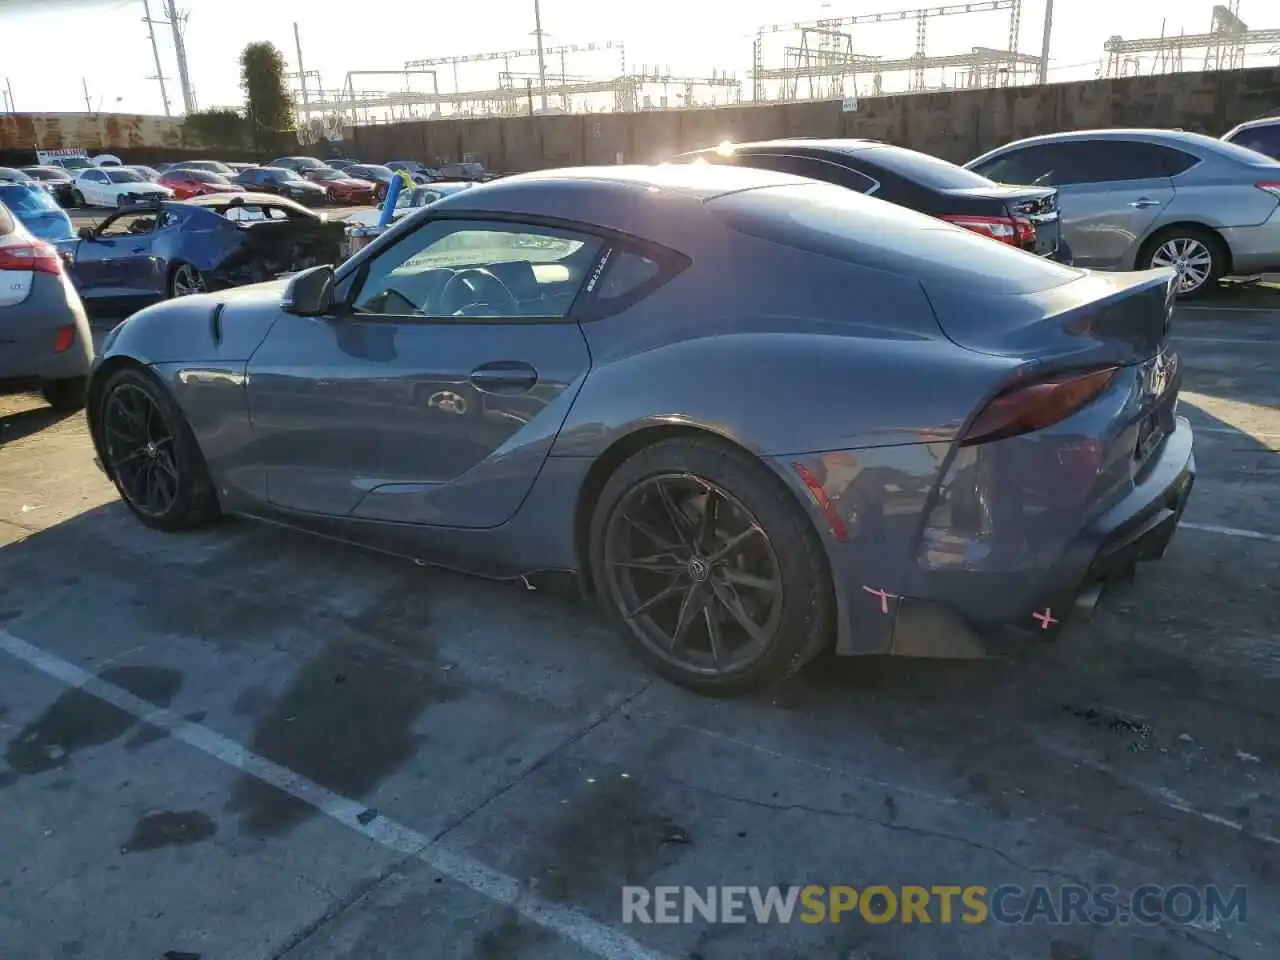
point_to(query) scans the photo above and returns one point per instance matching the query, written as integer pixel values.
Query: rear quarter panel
(1219, 195)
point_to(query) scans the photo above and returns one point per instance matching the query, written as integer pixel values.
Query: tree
(268, 105)
(215, 128)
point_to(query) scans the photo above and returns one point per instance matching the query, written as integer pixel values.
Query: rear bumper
(968, 613)
(1256, 249)
(29, 332)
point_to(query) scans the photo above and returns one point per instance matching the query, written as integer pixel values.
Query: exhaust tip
(1087, 600)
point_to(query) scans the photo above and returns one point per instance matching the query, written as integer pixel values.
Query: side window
(1106, 161)
(1035, 165)
(765, 161)
(129, 224)
(1266, 140)
(93, 176)
(627, 273)
(457, 268)
(1175, 162)
(166, 219)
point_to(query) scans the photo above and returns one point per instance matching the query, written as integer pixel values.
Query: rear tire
(65, 396)
(155, 422)
(1197, 253)
(776, 577)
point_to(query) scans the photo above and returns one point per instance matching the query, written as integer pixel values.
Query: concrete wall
(956, 126)
(104, 131)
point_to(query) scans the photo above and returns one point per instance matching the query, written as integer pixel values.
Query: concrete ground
(247, 744)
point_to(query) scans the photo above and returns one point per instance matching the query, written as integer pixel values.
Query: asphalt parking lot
(247, 744)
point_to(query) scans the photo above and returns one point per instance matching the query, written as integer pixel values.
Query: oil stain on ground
(77, 719)
(611, 835)
(346, 722)
(169, 828)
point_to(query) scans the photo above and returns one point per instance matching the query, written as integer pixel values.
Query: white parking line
(1224, 309)
(1231, 531)
(596, 938)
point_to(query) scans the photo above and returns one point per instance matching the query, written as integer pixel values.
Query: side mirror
(309, 293)
(85, 233)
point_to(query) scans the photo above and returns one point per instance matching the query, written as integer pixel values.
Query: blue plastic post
(389, 202)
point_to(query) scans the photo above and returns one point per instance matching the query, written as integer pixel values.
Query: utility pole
(155, 52)
(302, 75)
(1044, 46)
(542, 64)
(13, 106)
(88, 101)
(180, 49)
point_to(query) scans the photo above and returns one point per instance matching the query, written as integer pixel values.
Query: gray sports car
(757, 415)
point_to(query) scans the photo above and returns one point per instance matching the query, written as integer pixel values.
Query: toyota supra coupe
(756, 415)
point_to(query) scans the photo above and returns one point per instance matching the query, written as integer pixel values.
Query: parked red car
(341, 187)
(186, 183)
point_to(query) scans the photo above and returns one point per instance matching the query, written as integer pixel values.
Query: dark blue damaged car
(757, 416)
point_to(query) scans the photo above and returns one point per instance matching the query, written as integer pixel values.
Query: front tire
(1198, 255)
(713, 568)
(151, 455)
(65, 396)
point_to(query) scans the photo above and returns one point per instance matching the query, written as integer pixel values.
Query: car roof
(1251, 124)
(1186, 138)
(660, 203)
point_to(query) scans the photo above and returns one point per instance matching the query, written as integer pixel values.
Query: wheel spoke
(711, 616)
(695, 600)
(729, 600)
(649, 532)
(664, 594)
(743, 579)
(658, 563)
(679, 521)
(733, 543)
(710, 509)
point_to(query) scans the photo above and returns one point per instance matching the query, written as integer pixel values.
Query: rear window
(25, 199)
(1259, 143)
(923, 169)
(844, 225)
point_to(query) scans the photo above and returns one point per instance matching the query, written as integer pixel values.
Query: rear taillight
(1271, 186)
(31, 255)
(1034, 406)
(1012, 230)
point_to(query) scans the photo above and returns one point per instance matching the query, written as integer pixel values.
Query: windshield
(22, 199)
(203, 176)
(123, 176)
(281, 173)
(328, 173)
(923, 169)
(14, 176)
(371, 172)
(47, 173)
(75, 163)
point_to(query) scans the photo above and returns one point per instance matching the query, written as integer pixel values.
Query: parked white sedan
(114, 187)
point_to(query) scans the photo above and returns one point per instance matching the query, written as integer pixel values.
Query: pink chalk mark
(1045, 618)
(884, 598)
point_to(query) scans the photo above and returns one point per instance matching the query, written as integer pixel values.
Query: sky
(70, 49)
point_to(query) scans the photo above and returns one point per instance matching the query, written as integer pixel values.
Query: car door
(434, 394)
(91, 184)
(1110, 192)
(117, 262)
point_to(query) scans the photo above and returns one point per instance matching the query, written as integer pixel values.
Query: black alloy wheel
(151, 455)
(712, 567)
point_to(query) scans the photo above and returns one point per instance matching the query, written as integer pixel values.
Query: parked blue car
(153, 251)
(36, 209)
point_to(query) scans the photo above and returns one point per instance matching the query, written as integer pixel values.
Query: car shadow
(24, 423)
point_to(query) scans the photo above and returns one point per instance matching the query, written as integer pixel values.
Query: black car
(282, 182)
(1025, 217)
(298, 164)
(54, 179)
(374, 173)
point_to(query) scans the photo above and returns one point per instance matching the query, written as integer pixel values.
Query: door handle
(1143, 202)
(504, 376)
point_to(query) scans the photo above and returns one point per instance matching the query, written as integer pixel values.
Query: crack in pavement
(399, 866)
